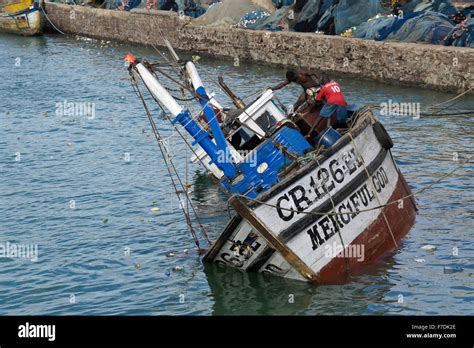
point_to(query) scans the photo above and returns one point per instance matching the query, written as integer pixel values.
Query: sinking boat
(24, 17)
(310, 205)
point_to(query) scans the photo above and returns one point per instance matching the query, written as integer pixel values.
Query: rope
(436, 106)
(336, 223)
(373, 189)
(362, 210)
(452, 99)
(203, 229)
(169, 162)
(49, 20)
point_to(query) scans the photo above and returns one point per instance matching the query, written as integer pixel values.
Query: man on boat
(305, 79)
(170, 5)
(334, 102)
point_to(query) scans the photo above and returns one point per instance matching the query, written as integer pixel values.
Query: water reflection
(250, 293)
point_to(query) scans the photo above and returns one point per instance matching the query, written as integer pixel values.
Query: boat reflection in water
(252, 293)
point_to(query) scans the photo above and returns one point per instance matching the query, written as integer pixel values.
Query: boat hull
(320, 228)
(29, 22)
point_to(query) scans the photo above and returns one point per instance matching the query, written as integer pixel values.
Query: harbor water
(86, 187)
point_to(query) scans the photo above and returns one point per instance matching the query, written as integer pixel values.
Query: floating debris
(170, 255)
(185, 251)
(420, 260)
(137, 265)
(44, 113)
(178, 268)
(167, 273)
(429, 247)
(105, 220)
(452, 269)
(155, 210)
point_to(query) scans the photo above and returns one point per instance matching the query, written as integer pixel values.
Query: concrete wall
(428, 66)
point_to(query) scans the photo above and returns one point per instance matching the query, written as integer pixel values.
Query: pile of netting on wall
(326, 16)
(437, 22)
(428, 21)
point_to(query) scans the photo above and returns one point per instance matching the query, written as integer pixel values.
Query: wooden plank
(287, 254)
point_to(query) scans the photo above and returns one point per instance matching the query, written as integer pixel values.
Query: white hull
(315, 239)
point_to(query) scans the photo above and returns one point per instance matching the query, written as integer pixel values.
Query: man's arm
(320, 95)
(280, 86)
(300, 101)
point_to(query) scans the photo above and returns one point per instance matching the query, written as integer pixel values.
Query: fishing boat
(310, 203)
(24, 17)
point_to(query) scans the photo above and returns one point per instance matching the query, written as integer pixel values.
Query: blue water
(106, 252)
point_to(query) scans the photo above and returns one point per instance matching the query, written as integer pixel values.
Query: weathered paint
(20, 17)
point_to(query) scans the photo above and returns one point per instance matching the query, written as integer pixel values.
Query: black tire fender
(382, 135)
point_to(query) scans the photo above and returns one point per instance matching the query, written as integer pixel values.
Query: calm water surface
(108, 253)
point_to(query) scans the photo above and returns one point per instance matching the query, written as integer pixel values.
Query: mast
(201, 137)
(209, 112)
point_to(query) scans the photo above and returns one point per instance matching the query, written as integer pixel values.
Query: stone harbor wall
(427, 66)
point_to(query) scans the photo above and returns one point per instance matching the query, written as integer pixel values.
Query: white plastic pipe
(159, 91)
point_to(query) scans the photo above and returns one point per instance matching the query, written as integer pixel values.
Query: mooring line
(373, 188)
(167, 159)
(448, 174)
(49, 20)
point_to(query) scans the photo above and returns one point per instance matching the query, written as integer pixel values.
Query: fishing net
(276, 22)
(252, 18)
(431, 27)
(441, 6)
(308, 16)
(351, 13)
(462, 35)
(229, 12)
(381, 26)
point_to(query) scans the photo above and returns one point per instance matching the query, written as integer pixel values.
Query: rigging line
(470, 112)
(448, 174)
(50, 21)
(166, 42)
(336, 224)
(265, 135)
(191, 91)
(208, 75)
(159, 141)
(203, 229)
(160, 144)
(374, 190)
(180, 133)
(452, 99)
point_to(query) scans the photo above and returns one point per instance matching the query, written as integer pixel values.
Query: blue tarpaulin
(428, 27)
